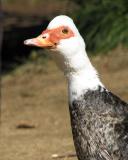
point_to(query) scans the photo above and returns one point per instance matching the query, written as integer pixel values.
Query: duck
(99, 118)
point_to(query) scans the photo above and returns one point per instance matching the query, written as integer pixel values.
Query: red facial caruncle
(51, 37)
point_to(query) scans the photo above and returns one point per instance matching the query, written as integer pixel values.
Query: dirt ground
(35, 120)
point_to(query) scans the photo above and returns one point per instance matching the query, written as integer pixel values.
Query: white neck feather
(80, 73)
(81, 76)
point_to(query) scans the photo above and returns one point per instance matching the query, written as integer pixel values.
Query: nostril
(43, 37)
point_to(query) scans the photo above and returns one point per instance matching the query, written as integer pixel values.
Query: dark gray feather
(99, 122)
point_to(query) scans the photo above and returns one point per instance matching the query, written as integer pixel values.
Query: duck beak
(39, 42)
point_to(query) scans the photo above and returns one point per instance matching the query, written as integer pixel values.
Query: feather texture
(99, 122)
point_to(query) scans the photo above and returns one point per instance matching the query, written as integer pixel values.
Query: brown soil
(35, 119)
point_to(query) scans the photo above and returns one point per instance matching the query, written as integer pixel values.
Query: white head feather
(79, 71)
(61, 21)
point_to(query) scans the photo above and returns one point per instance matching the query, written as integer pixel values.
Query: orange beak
(50, 38)
(40, 41)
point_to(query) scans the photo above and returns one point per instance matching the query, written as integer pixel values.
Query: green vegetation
(30, 2)
(104, 23)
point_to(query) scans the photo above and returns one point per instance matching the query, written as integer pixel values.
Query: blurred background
(35, 120)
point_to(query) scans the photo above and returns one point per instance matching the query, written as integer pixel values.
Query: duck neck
(81, 75)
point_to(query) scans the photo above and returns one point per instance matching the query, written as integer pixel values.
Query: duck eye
(65, 31)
